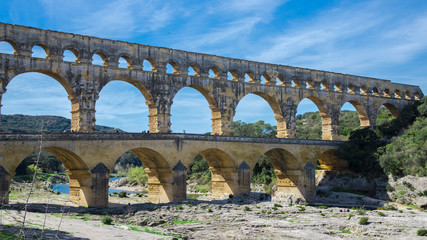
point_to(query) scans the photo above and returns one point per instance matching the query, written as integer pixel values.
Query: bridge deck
(159, 136)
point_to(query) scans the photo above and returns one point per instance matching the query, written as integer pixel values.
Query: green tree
(257, 129)
(360, 151)
(137, 174)
(407, 154)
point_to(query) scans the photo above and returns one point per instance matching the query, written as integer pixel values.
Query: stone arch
(328, 126)
(75, 106)
(216, 70)
(375, 91)
(74, 51)
(224, 172)
(149, 100)
(251, 77)
(213, 106)
(363, 114)
(44, 47)
(234, 75)
(78, 173)
(102, 55)
(392, 108)
(329, 161)
(387, 92)
(153, 64)
(159, 173)
(290, 175)
(277, 111)
(282, 80)
(12, 44)
(196, 69)
(175, 67)
(397, 94)
(296, 83)
(128, 59)
(311, 83)
(324, 85)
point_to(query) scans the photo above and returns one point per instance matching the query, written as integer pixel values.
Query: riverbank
(235, 218)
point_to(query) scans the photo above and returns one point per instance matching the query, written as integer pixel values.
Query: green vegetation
(381, 214)
(389, 207)
(107, 220)
(364, 221)
(368, 154)
(19, 123)
(257, 129)
(361, 211)
(422, 232)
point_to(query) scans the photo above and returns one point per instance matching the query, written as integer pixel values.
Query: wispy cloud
(119, 19)
(351, 39)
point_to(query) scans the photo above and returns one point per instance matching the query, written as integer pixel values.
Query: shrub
(408, 185)
(277, 205)
(301, 209)
(180, 207)
(381, 214)
(122, 194)
(361, 210)
(422, 194)
(210, 210)
(107, 220)
(422, 232)
(322, 207)
(389, 188)
(363, 221)
(247, 209)
(389, 207)
(322, 214)
(137, 174)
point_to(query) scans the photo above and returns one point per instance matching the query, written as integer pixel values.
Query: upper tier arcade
(283, 87)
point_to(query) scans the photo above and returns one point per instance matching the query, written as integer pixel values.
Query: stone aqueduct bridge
(283, 88)
(89, 158)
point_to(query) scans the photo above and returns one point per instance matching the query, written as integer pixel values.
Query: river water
(64, 188)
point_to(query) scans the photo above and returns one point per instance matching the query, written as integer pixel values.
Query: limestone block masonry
(283, 87)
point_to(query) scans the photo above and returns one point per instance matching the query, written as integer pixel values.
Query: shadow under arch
(277, 111)
(213, 106)
(294, 182)
(395, 112)
(328, 161)
(224, 173)
(327, 127)
(149, 100)
(72, 96)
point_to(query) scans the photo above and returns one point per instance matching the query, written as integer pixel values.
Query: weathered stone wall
(89, 158)
(283, 87)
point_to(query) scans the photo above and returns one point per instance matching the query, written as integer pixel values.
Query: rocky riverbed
(239, 217)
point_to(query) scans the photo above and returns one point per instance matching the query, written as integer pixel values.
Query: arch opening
(57, 95)
(232, 75)
(124, 105)
(170, 68)
(352, 117)
(192, 72)
(249, 77)
(39, 51)
(125, 62)
(375, 91)
(223, 173)
(58, 166)
(195, 101)
(386, 120)
(199, 179)
(311, 84)
(324, 85)
(282, 80)
(99, 59)
(70, 56)
(387, 92)
(313, 120)
(258, 115)
(7, 47)
(149, 65)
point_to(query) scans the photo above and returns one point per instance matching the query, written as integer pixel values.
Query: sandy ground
(236, 218)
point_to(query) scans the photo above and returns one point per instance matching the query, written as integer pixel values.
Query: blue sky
(385, 39)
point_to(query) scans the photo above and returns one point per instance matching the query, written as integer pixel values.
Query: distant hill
(19, 123)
